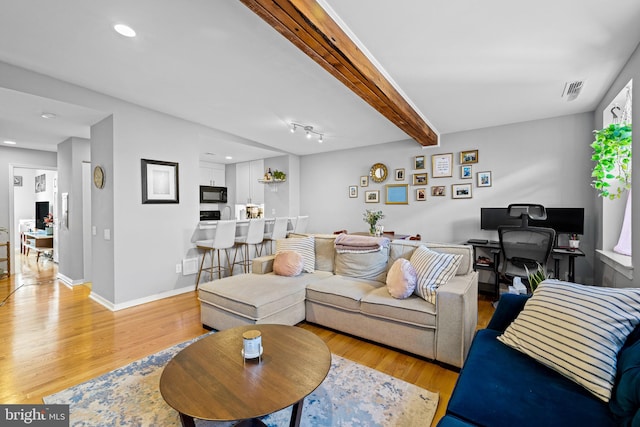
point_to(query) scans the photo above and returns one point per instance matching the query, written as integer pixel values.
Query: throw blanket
(352, 243)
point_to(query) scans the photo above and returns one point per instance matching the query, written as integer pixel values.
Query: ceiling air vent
(572, 89)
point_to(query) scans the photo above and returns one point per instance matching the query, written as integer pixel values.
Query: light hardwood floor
(53, 336)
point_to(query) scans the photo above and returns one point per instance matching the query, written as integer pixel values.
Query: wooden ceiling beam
(307, 25)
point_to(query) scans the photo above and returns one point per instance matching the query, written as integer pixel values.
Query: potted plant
(279, 175)
(372, 217)
(612, 155)
(536, 277)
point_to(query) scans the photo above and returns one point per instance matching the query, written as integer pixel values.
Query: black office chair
(524, 246)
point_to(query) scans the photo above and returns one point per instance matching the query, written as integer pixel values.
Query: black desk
(561, 252)
(493, 247)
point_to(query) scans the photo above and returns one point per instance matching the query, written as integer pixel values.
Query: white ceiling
(463, 64)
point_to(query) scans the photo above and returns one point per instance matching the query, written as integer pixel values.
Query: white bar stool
(225, 238)
(279, 231)
(255, 236)
(301, 224)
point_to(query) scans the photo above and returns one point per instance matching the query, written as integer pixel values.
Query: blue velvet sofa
(499, 386)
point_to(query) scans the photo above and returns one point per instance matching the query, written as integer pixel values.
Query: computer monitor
(562, 220)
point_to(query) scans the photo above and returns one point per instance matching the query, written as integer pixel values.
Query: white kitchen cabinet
(212, 174)
(248, 189)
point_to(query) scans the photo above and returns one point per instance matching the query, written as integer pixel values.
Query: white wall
(544, 161)
(631, 71)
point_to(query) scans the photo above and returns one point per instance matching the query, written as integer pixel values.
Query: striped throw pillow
(433, 269)
(576, 330)
(305, 246)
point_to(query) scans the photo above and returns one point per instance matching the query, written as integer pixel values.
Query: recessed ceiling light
(10, 142)
(48, 115)
(124, 30)
(228, 157)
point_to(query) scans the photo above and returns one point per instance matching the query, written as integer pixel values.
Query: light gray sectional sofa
(347, 292)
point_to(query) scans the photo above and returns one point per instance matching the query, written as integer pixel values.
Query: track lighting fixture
(308, 131)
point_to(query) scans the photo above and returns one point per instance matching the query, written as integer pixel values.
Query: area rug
(351, 395)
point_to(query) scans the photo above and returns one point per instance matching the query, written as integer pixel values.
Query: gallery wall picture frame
(399, 174)
(465, 172)
(442, 165)
(468, 157)
(17, 181)
(364, 181)
(484, 179)
(421, 194)
(438, 191)
(461, 191)
(353, 191)
(420, 179)
(419, 162)
(159, 182)
(372, 196)
(396, 194)
(41, 183)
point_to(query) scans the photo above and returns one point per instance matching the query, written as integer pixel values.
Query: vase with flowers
(372, 217)
(48, 223)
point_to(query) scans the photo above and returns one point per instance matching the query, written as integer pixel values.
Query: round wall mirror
(378, 172)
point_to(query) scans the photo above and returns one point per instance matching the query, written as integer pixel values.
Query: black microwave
(210, 194)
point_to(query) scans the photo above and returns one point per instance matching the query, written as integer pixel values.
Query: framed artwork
(419, 162)
(17, 181)
(420, 179)
(461, 191)
(484, 179)
(467, 157)
(421, 194)
(465, 172)
(159, 181)
(399, 174)
(41, 183)
(442, 165)
(397, 194)
(353, 191)
(364, 181)
(372, 196)
(438, 191)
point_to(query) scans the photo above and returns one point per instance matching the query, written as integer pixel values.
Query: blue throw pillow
(625, 402)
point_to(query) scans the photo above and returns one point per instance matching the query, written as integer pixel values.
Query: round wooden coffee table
(210, 379)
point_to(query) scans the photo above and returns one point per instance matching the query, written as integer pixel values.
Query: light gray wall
(102, 211)
(544, 161)
(630, 71)
(138, 264)
(71, 154)
(281, 200)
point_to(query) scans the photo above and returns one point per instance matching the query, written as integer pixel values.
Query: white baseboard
(68, 281)
(121, 306)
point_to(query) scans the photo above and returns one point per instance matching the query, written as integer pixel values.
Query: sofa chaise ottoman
(347, 292)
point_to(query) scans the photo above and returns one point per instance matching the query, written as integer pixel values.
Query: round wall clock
(98, 176)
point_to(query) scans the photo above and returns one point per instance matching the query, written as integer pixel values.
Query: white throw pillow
(434, 269)
(305, 246)
(401, 279)
(576, 330)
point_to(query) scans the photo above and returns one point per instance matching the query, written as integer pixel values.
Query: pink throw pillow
(401, 279)
(288, 263)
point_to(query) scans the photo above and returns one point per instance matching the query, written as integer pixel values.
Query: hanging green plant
(612, 154)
